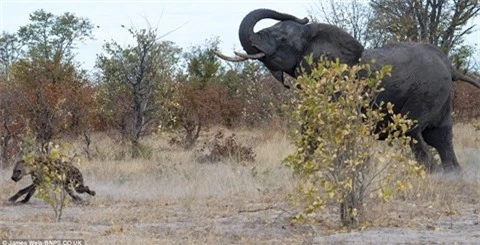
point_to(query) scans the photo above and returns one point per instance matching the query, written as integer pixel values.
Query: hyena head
(20, 170)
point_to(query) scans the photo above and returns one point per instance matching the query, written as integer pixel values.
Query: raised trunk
(247, 35)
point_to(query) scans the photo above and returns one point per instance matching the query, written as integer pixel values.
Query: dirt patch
(220, 222)
(151, 222)
(172, 199)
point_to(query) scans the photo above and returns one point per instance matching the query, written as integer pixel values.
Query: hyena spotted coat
(73, 176)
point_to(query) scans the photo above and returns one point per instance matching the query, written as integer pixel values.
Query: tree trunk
(139, 110)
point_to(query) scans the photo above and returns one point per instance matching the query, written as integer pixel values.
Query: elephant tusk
(228, 58)
(250, 56)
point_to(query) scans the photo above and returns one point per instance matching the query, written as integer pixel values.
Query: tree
(10, 50)
(443, 23)
(203, 66)
(46, 72)
(12, 121)
(53, 38)
(352, 16)
(132, 79)
(200, 95)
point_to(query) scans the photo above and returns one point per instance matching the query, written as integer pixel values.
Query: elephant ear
(265, 44)
(284, 37)
(333, 42)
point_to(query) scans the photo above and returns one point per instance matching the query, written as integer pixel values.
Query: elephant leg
(441, 139)
(422, 154)
(30, 194)
(20, 193)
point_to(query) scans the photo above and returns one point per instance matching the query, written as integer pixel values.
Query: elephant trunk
(246, 34)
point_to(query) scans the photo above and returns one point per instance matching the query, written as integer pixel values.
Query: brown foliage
(466, 102)
(202, 107)
(11, 122)
(262, 100)
(51, 99)
(226, 148)
(251, 102)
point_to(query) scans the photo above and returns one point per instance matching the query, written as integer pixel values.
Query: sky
(186, 23)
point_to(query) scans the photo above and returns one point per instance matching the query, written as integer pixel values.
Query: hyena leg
(83, 189)
(29, 194)
(73, 195)
(20, 193)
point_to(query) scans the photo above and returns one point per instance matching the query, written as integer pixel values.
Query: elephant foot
(432, 167)
(452, 169)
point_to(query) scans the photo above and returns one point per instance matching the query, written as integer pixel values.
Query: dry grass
(170, 198)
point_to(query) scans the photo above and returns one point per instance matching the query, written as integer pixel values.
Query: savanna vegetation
(189, 148)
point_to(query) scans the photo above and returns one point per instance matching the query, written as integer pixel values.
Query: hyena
(73, 177)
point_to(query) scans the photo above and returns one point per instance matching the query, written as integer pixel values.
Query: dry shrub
(226, 148)
(198, 108)
(466, 102)
(113, 229)
(263, 100)
(3, 233)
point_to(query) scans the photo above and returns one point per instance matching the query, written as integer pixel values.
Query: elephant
(420, 84)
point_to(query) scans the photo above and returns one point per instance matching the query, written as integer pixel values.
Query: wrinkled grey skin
(287, 43)
(420, 85)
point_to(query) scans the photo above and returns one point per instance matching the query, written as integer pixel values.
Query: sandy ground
(170, 200)
(265, 220)
(224, 224)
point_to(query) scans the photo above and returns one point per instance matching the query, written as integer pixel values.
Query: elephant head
(284, 46)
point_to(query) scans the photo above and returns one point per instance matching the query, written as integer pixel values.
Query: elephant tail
(246, 32)
(467, 79)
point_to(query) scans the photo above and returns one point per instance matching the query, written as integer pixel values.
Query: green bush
(51, 188)
(338, 158)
